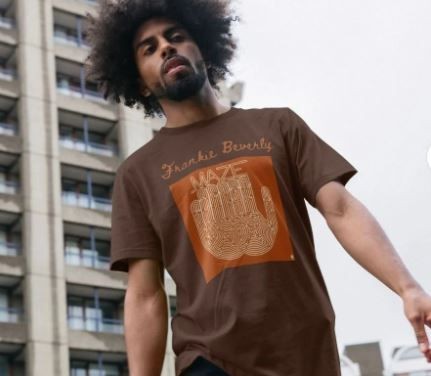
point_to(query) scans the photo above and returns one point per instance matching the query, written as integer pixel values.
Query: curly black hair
(110, 34)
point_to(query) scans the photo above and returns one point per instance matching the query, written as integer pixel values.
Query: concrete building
(60, 145)
(408, 361)
(365, 359)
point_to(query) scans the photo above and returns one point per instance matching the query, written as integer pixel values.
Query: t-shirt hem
(191, 355)
(119, 262)
(342, 176)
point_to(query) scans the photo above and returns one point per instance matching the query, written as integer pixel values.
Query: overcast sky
(359, 74)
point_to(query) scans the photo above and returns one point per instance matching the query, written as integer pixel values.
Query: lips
(174, 62)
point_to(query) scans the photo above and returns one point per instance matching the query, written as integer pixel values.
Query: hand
(417, 308)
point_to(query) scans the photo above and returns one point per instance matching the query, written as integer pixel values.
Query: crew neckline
(198, 124)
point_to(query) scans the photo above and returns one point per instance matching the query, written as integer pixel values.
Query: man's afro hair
(110, 33)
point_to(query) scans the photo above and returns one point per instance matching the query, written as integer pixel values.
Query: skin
(364, 239)
(153, 44)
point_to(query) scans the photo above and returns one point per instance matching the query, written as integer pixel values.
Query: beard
(184, 85)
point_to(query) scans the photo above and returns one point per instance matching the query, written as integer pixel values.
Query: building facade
(60, 145)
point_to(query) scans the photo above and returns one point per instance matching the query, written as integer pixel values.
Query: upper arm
(145, 277)
(332, 199)
(133, 235)
(316, 162)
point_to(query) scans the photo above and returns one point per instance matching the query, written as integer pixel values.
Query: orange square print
(233, 214)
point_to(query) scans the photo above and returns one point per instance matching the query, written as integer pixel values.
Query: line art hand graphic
(229, 222)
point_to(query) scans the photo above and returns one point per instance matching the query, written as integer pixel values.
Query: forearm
(364, 239)
(146, 327)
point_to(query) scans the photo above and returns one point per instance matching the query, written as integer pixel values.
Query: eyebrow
(168, 31)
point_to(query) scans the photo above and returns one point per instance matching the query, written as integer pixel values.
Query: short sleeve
(132, 234)
(317, 163)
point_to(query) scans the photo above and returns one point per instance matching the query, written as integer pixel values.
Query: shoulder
(283, 115)
(140, 157)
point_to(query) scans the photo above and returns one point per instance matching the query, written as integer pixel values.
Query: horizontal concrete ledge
(75, 6)
(88, 160)
(85, 216)
(96, 277)
(11, 202)
(10, 144)
(103, 110)
(13, 332)
(12, 265)
(93, 341)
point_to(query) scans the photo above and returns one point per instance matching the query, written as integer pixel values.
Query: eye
(149, 50)
(177, 37)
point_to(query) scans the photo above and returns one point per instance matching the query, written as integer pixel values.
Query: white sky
(359, 73)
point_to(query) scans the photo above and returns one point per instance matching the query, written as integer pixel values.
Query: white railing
(85, 201)
(90, 147)
(11, 315)
(6, 23)
(96, 325)
(69, 89)
(8, 129)
(77, 257)
(9, 249)
(9, 187)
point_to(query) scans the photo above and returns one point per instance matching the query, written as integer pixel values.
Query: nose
(167, 49)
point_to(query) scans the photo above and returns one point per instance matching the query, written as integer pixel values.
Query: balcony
(86, 258)
(11, 304)
(8, 65)
(10, 234)
(94, 363)
(9, 174)
(9, 249)
(90, 309)
(8, 116)
(87, 252)
(96, 324)
(86, 201)
(88, 134)
(9, 187)
(88, 147)
(12, 359)
(86, 188)
(69, 31)
(11, 315)
(7, 14)
(7, 62)
(71, 82)
(71, 86)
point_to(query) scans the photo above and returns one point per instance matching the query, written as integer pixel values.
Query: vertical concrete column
(44, 285)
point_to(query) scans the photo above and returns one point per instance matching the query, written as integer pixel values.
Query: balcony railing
(90, 147)
(71, 40)
(96, 325)
(8, 129)
(89, 261)
(7, 74)
(85, 201)
(11, 315)
(72, 90)
(10, 187)
(6, 23)
(9, 249)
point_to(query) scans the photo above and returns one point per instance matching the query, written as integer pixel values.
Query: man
(217, 198)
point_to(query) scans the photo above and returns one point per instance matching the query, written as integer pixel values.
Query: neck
(203, 105)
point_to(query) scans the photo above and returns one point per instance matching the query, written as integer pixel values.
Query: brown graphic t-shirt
(221, 203)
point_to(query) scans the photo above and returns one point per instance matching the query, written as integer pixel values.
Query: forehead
(153, 26)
